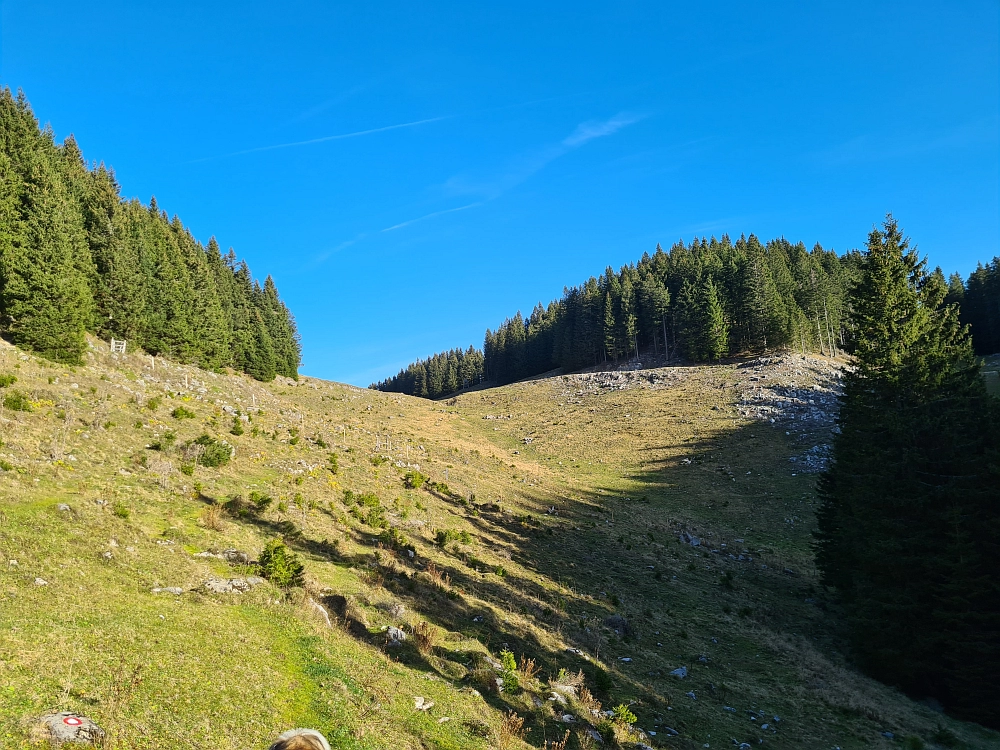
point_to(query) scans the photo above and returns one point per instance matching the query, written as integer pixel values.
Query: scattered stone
(422, 705)
(690, 694)
(231, 585)
(41, 582)
(625, 659)
(558, 698)
(681, 672)
(670, 730)
(108, 555)
(63, 507)
(321, 611)
(595, 735)
(68, 727)
(568, 719)
(168, 590)
(686, 538)
(443, 719)
(394, 636)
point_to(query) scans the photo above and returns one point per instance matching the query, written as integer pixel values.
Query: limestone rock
(68, 727)
(231, 585)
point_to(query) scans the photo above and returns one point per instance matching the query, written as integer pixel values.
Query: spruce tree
(908, 528)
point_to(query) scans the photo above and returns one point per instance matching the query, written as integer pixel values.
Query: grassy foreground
(556, 523)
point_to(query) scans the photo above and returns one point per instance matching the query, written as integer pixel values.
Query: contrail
(428, 216)
(324, 139)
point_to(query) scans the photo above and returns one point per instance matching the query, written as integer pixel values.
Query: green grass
(562, 532)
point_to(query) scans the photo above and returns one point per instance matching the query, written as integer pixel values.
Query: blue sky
(412, 173)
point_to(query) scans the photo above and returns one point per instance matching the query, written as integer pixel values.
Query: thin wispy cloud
(527, 165)
(517, 172)
(588, 131)
(324, 139)
(431, 216)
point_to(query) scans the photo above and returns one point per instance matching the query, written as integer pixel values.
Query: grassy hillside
(558, 522)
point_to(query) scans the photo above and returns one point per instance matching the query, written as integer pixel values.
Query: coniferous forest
(77, 258)
(701, 301)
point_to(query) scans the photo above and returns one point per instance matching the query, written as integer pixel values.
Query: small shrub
(17, 401)
(237, 428)
(214, 453)
(182, 412)
(726, 581)
(120, 510)
(153, 404)
(187, 469)
(603, 681)
(281, 566)
(444, 537)
(165, 443)
(508, 671)
(379, 460)
(500, 571)
(622, 715)
(6, 465)
(394, 538)
(334, 466)
(321, 443)
(7, 380)
(414, 480)
(260, 501)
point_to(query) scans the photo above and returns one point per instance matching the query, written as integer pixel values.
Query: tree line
(76, 257)
(705, 300)
(978, 299)
(909, 527)
(438, 375)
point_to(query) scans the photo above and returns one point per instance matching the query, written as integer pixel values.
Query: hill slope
(623, 524)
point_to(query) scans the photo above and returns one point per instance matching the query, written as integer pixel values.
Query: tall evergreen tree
(908, 529)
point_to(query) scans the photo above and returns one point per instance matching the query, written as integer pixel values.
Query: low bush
(622, 715)
(17, 401)
(414, 480)
(394, 538)
(444, 537)
(6, 380)
(182, 412)
(280, 565)
(214, 452)
(509, 682)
